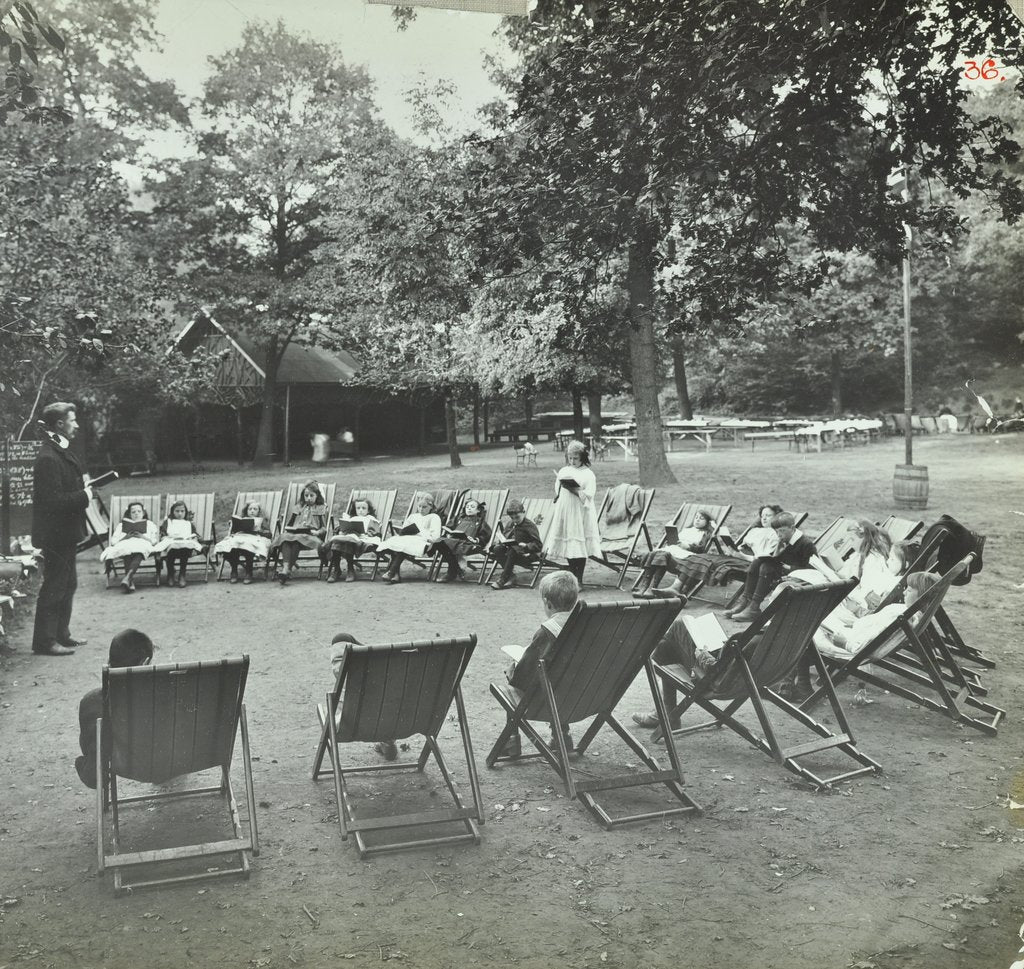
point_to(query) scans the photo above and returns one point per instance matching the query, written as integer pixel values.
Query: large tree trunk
(644, 362)
(594, 406)
(487, 415)
(263, 456)
(577, 414)
(451, 431)
(836, 380)
(679, 368)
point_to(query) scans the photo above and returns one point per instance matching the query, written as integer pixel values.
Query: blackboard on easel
(16, 463)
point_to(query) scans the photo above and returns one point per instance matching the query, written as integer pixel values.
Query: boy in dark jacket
(520, 547)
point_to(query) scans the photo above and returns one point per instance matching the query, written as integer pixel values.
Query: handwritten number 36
(986, 72)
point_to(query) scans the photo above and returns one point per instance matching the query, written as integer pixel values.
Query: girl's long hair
(873, 540)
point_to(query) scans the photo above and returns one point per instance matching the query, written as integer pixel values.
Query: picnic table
(699, 430)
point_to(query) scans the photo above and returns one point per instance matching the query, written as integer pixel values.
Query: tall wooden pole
(908, 366)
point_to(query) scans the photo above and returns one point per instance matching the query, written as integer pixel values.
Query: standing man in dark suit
(59, 501)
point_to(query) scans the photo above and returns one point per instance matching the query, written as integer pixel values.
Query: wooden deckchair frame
(620, 561)
(835, 545)
(383, 503)
(292, 497)
(166, 722)
(118, 506)
(598, 654)
(752, 663)
(935, 669)
(270, 504)
(684, 517)
(450, 506)
(386, 693)
(494, 500)
(201, 506)
(900, 529)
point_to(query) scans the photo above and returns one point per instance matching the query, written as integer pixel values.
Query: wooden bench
(755, 436)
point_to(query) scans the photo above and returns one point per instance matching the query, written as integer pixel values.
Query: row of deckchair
(167, 721)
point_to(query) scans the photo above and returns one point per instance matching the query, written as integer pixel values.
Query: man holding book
(59, 501)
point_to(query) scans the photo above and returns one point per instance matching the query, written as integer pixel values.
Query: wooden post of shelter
(287, 422)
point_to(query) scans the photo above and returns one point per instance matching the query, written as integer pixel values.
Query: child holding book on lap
(517, 543)
(134, 540)
(470, 534)
(682, 543)
(179, 541)
(306, 528)
(247, 538)
(418, 532)
(357, 533)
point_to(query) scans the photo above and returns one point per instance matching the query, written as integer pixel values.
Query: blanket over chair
(625, 505)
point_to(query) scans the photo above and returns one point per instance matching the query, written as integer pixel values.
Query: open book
(299, 529)
(455, 533)
(671, 535)
(346, 527)
(706, 631)
(411, 529)
(102, 479)
(133, 528)
(571, 483)
(243, 526)
(516, 652)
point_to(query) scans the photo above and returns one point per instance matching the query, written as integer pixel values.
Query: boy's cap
(514, 507)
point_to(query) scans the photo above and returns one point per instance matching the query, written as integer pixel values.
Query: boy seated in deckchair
(559, 592)
(128, 648)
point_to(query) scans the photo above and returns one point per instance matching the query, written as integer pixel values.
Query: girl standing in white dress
(421, 529)
(573, 534)
(179, 541)
(133, 541)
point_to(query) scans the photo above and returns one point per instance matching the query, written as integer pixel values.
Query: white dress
(246, 542)
(762, 542)
(573, 533)
(122, 545)
(180, 534)
(415, 545)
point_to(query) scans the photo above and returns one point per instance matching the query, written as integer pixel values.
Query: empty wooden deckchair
(900, 529)
(749, 666)
(292, 500)
(494, 501)
(118, 508)
(383, 504)
(618, 553)
(270, 504)
(386, 693)
(201, 507)
(598, 654)
(936, 670)
(164, 722)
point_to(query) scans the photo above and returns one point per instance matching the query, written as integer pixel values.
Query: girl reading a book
(357, 533)
(179, 540)
(134, 540)
(418, 532)
(573, 534)
(306, 528)
(247, 538)
(470, 534)
(689, 540)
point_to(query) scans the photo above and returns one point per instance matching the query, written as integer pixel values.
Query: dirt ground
(920, 866)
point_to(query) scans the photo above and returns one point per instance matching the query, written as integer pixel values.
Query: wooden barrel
(910, 486)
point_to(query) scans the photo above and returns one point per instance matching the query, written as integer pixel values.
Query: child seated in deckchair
(249, 537)
(559, 592)
(357, 533)
(133, 541)
(178, 541)
(518, 544)
(795, 551)
(470, 534)
(668, 558)
(128, 648)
